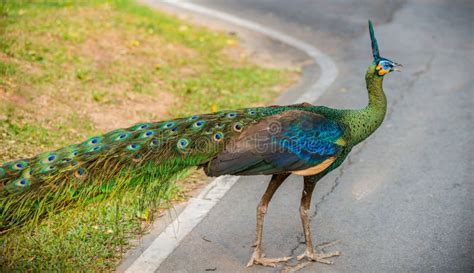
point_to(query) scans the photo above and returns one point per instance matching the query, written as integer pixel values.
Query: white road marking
(198, 207)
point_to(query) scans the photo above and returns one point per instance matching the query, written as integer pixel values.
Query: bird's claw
(320, 258)
(258, 258)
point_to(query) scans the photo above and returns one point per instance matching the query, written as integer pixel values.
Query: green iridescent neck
(363, 122)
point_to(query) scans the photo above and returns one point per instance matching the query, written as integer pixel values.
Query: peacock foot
(259, 258)
(320, 258)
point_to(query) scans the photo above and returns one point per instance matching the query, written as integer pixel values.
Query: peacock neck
(363, 122)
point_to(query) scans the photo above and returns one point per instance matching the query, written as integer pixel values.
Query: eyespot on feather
(51, 157)
(154, 142)
(80, 173)
(237, 127)
(22, 182)
(47, 158)
(182, 143)
(94, 149)
(47, 169)
(140, 126)
(168, 125)
(217, 137)
(27, 173)
(133, 147)
(120, 136)
(147, 134)
(252, 112)
(198, 124)
(19, 165)
(137, 158)
(231, 115)
(92, 141)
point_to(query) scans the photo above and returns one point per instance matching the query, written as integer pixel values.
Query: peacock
(300, 139)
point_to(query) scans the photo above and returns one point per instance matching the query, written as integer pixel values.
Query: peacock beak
(396, 67)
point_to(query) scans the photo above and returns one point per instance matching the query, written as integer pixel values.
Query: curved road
(403, 201)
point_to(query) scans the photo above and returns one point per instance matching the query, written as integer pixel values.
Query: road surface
(403, 200)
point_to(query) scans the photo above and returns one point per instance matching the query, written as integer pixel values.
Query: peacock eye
(95, 149)
(133, 147)
(147, 134)
(169, 125)
(19, 165)
(238, 127)
(23, 182)
(154, 142)
(231, 115)
(183, 143)
(217, 137)
(137, 157)
(198, 124)
(79, 173)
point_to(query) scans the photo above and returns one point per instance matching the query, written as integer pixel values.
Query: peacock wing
(293, 141)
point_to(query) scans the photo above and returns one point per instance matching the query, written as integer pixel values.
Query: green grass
(73, 69)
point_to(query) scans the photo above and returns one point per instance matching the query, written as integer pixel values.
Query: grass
(73, 69)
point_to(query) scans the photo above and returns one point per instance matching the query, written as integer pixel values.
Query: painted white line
(198, 207)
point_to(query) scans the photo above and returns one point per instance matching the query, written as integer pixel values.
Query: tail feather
(141, 158)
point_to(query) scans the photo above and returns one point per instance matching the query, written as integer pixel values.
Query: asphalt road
(403, 201)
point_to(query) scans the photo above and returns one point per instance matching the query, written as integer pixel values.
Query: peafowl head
(383, 66)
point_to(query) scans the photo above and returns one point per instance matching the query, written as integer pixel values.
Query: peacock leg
(258, 256)
(304, 211)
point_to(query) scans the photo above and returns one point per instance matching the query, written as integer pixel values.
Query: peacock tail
(141, 159)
